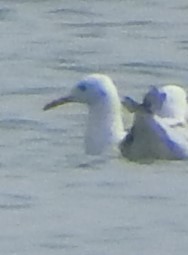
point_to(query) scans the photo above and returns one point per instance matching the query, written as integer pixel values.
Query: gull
(104, 123)
(159, 130)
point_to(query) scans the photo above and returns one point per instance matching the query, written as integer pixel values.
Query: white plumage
(159, 129)
(104, 125)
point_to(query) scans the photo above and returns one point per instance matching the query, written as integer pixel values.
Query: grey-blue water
(53, 198)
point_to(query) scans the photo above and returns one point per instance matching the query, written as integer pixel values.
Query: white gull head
(104, 125)
(169, 101)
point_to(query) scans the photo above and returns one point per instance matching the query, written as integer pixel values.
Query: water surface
(53, 198)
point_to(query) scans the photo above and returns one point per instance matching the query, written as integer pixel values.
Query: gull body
(104, 124)
(159, 129)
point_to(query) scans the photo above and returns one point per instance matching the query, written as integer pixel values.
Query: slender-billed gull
(159, 129)
(104, 125)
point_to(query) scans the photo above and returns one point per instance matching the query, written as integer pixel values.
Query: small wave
(10, 201)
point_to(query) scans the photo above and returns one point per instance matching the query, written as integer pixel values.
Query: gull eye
(162, 97)
(82, 87)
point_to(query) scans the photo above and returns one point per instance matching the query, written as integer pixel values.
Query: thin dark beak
(57, 102)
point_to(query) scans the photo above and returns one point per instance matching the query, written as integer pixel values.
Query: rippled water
(53, 198)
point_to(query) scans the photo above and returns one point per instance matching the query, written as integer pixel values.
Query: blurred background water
(53, 198)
